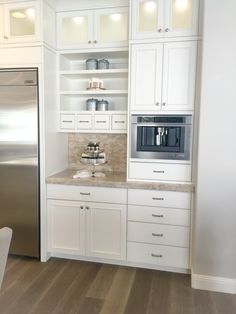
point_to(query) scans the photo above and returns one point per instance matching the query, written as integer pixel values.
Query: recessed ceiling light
(18, 15)
(150, 6)
(181, 5)
(78, 19)
(115, 17)
(30, 13)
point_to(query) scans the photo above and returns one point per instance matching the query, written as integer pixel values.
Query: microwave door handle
(161, 124)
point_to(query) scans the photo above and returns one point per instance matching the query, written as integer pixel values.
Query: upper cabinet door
(147, 19)
(21, 22)
(146, 76)
(1, 24)
(75, 29)
(111, 27)
(181, 18)
(179, 76)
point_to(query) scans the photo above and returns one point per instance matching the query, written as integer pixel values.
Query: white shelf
(76, 74)
(95, 92)
(92, 112)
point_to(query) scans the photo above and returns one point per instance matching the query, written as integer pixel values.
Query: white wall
(214, 251)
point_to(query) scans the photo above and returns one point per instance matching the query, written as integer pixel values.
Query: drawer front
(67, 121)
(158, 255)
(84, 122)
(169, 216)
(158, 234)
(101, 122)
(86, 193)
(160, 171)
(119, 122)
(159, 198)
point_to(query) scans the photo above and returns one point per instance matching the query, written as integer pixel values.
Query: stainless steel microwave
(161, 137)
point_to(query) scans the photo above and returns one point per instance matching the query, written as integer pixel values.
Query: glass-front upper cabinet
(111, 27)
(93, 28)
(164, 18)
(21, 22)
(75, 29)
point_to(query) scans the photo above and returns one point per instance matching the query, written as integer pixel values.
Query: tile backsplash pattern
(115, 146)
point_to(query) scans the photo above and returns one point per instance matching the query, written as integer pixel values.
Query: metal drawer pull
(164, 103)
(158, 171)
(159, 30)
(157, 216)
(81, 207)
(67, 121)
(158, 198)
(157, 234)
(156, 255)
(82, 193)
(157, 103)
(119, 121)
(167, 30)
(81, 121)
(87, 207)
(100, 121)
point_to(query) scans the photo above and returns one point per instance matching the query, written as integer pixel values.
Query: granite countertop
(116, 180)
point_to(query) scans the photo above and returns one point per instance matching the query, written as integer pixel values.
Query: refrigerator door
(19, 173)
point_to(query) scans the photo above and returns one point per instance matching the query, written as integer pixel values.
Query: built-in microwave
(161, 137)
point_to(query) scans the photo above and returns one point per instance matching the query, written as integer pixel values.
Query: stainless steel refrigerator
(19, 159)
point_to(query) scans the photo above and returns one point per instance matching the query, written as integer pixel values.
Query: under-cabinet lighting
(181, 5)
(18, 15)
(78, 19)
(115, 17)
(150, 6)
(30, 13)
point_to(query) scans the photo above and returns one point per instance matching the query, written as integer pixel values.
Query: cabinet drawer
(86, 193)
(158, 234)
(84, 121)
(67, 121)
(119, 122)
(101, 122)
(159, 198)
(160, 171)
(158, 255)
(169, 216)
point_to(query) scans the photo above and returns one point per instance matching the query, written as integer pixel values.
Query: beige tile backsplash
(115, 146)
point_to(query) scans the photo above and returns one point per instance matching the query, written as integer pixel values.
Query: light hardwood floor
(68, 287)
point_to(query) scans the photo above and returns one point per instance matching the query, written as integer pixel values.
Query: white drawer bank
(90, 223)
(159, 228)
(86, 221)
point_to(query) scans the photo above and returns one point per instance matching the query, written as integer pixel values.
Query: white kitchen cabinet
(163, 18)
(74, 81)
(66, 227)
(99, 28)
(19, 22)
(163, 76)
(79, 226)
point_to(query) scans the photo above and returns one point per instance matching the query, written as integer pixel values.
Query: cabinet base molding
(212, 283)
(118, 262)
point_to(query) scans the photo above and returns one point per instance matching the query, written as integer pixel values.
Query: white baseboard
(218, 284)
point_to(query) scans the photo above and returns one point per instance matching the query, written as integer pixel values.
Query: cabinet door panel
(1, 24)
(75, 29)
(179, 76)
(106, 230)
(146, 76)
(147, 19)
(66, 227)
(181, 18)
(111, 27)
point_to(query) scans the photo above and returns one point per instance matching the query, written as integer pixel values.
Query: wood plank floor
(69, 287)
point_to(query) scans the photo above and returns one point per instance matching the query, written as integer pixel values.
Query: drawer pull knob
(157, 216)
(67, 121)
(158, 171)
(81, 207)
(82, 193)
(158, 198)
(83, 121)
(119, 121)
(157, 234)
(100, 121)
(157, 255)
(87, 207)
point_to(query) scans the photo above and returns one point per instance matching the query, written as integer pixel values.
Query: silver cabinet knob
(159, 30)
(81, 207)
(95, 41)
(164, 103)
(5, 37)
(89, 41)
(157, 103)
(167, 30)
(87, 207)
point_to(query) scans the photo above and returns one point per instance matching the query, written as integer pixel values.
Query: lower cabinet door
(66, 227)
(106, 230)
